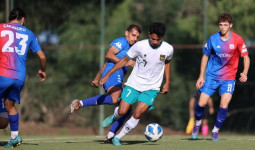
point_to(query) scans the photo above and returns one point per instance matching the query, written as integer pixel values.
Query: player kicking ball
(220, 60)
(153, 57)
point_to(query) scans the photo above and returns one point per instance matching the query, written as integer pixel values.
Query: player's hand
(103, 80)
(243, 77)
(42, 75)
(130, 63)
(95, 83)
(200, 82)
(165, 89)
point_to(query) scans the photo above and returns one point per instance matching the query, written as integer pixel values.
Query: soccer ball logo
(153, 132)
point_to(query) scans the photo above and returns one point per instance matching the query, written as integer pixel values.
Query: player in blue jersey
(220, 60)
(117, 50)
(15, 41)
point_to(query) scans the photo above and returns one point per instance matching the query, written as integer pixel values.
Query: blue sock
(118, 123)
(97, 100)
(14, 122)
(199, 112)
(222, 114)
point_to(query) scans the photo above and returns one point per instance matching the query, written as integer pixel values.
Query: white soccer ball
(153, 132)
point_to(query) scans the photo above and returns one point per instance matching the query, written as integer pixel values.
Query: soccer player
(117, 50)
(153, 57)
(192, 102)
(15, 41)
(220, 60)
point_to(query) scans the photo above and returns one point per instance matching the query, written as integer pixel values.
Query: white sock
(14, 134)
(198, 122)
(110, 135)
(215, 129)
(129, 125)
(81, 103)
(116, 114)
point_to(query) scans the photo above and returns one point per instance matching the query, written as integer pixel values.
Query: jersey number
(7, 46)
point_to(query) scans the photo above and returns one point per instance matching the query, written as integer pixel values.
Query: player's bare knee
(122, 112)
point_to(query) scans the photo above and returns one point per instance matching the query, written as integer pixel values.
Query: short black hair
(133, 26)
(157, 28)
(17, 13)
(225, 17)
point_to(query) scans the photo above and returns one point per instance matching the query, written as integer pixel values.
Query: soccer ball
(153, 132)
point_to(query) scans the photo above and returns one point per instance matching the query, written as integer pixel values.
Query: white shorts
(4, 114)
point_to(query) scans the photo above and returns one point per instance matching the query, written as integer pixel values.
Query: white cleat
(75, 105)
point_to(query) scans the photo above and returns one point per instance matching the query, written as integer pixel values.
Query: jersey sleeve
(208, 47)
(171, 49)
(133, 51)
(119, 44)
(242, 47)
(34, 46)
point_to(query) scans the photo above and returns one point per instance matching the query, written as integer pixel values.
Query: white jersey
(148, 71)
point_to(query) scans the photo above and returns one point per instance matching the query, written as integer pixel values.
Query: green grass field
(132, 142)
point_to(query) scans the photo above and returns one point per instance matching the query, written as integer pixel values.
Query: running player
(15, 41)
(153, 57)
(220, 59)
(117, 50)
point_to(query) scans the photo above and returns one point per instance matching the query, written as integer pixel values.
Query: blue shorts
(115, 79)
(224, 86)
(10, 88)
(131, 96)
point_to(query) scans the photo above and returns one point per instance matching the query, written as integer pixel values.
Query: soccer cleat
(116, 142)
(108, 121)
(205, 129)
(215, 136)
(195, 131)
(14, 142)
(190, 126)
(75, 105)
(108, 141)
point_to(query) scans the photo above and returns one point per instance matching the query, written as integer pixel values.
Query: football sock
(110, 135)
(14, 125)
(198, 122)
(116, 114)
(221, 116)
(118, 123)
(215, 129)
(129, 125)
(199, 112)
(97, 100)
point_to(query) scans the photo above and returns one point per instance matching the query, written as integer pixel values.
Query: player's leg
(226, 91)
(140, 109)
(115, 127)
(191, 122)
(4, 120)
(205, 127)
(118, 113)
(113, 87)
(199, 111)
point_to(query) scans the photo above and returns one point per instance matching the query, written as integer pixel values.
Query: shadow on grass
(3, 143)
(199, 139)
(129, 142)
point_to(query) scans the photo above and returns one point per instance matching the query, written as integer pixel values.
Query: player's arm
(210, 104)
(111, 54)
(96, 80)
(246, 65)
(116, 67)
(167, 72)
(203, 65)
(41, 73)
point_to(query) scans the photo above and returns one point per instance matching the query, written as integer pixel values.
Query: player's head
(156, 33)
(225, 23)
(132, 33)
(18, 15)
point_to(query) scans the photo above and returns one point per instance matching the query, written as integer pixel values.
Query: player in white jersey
(153, 57)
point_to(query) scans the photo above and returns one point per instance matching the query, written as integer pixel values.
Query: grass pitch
(132, 142)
